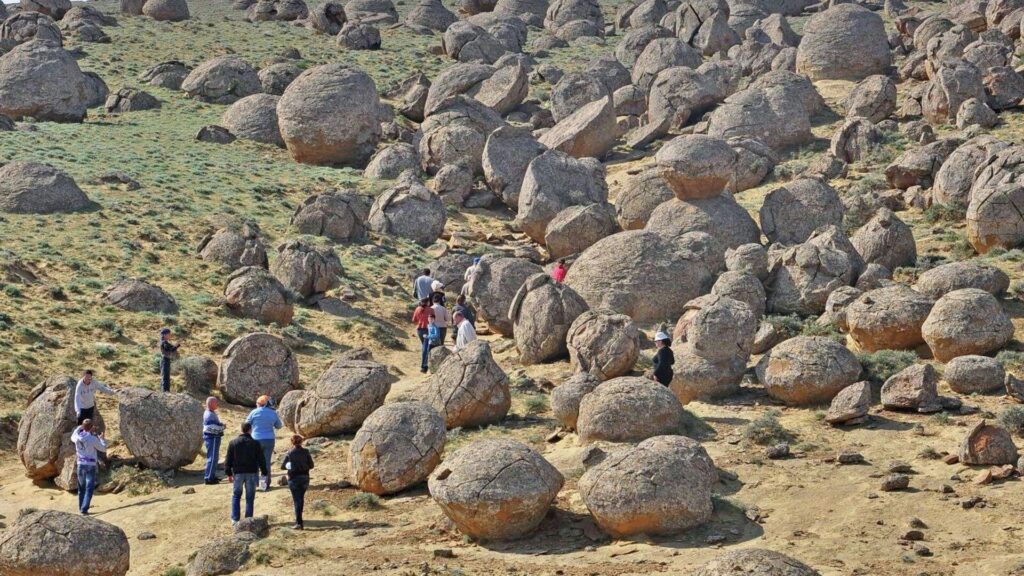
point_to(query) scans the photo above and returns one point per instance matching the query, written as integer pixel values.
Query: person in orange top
(421, 318)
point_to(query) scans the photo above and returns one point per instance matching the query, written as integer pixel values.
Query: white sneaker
(234, 523)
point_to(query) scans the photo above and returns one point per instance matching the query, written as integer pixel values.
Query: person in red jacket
(558, 272)
(421, 318)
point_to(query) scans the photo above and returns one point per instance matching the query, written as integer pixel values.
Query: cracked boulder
(409, 210)
(255, 293)
(966, 321)
(338, 214)
(397, 447)
(888, 318)
(48, 542)
(257, 364)
(163, 430)
(222, 80)
(577, 228)
(494, 286)
(791, 213)
(34, 188)
(469, 388)
(541, 313)
(943, 279)
(553, 182)
(603, 343)
(44, 431)
(913, 388)
(628, 409)
(566, 397)
(341, 398)
(306, 269)
(886, 240)
(850, 406)
(844, 42)
(235, 246)
(807, 370)
(135, 295)
(972, 374)
(988, 445)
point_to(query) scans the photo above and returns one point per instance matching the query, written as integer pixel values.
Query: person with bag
(298, 462)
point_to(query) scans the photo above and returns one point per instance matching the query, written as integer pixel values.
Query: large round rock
(409, 210)
(628, 409)
(967, 321)
(755, 561)
(790, 214)
(338, 214)
(661, 486)
(723, 329)
(845, 42)
(135, 295)
(697, 166)
(222, 80)
(257, 364)
(307, 269)
(807, 370)
(566, 398)
(970, 374)
(888, 318)
(542, 312)
(495, 489)
(493, 287)
(329, 115)
(341, 399)
(255, 293)
(886, 240)
(603, 343)
(45, 428)
(52, 543)
(469, 388)
(39, 79)
(942, 280)
(163, 430)
(398, 446)
(34, 188)
(254, 118)
(235, 246)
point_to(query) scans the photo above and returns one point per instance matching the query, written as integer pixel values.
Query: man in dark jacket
(168, 352)
(663, 359)
(244, 466)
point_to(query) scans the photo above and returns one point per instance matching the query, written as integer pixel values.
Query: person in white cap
(437, 292)
(663, 359)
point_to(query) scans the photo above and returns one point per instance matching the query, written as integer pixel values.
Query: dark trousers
(425, 347)
(444, 332)
(86, 414)
(165, 373)
(298, 487)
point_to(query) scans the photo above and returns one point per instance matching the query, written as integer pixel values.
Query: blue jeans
(268, 456)
(298, 487)
(86, 486)
(246, 480)
(212, 454)
(425, 345)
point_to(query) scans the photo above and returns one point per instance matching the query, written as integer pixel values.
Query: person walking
(663, 359)
(421, 286)
(468, 275)
(421, 318)
(244, 464)
(437, 292)
(298, 462)
(559, 271)
(265, 422)
(467, 310)
(85, 396)
(87, 445)
(465, 333)
(213, 433)
(168, 352)
(442, 317)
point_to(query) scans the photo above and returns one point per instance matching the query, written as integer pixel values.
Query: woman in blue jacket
(265, 421)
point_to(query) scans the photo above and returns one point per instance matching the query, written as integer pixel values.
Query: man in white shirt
(466, 333)
(87, 445)
(85, 396)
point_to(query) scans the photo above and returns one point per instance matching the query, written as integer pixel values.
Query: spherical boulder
(327, 18)
(753, 561)
(966, 321)
(389, 162)
(845, 42)
(44, 430)
(943, 279)
(802, 278)
(39, 79)
(341, 398)
(254, 118)
(873, 98)
(566, 397)
(137, 295)
(974, 374)
(886, 240)
(163, 430)
(744, 287)
(169, 74)
(55, 9)
(751, 258)
(696, 166)
(577, 228)
(640, 196)
(790, 214)
(495, 489)
(48, 542)
(25, 26)
(628, 409)
(329, 115)
(235, 246)
(33, 188)
(356, 35)
(469, 388)
(722, 329)
(721, 217)
(397, 447)
(807, 370)
(257, 364)
(888, 318)
(541, 313)
(603, 343)
(221, 80)
(277, 10)
(337, 214)
(306, 269)
(494, 286)
(696, 377)
(253, 292)
(409, 210)
(661, 486)
(553, 182)
(166, 10)
(198, 374)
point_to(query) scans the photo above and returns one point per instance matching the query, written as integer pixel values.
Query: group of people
(432, 318)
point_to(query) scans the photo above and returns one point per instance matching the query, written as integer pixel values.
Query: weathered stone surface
(409, 210)
(162, 430)
(541, 313)
(44, 431)
(845, 42)
(48, 542)
(34, 188)
(941, 280)
(988, 445)
(791, 213)
(566, 398)
(255, 293)
(257, 364)
(628, 409)
(221, 80)
(888, 318)
(255, 118)
(807, 370)
(235, 246)
(397, 447)
(886, 240)
(850, 405)
(913, 388)
(698, 378)
(341, 398)
(494, 286)
(603, 343)
(966, 321)
(39, 79)
(974, 374)
(338, 214)
(554, 181)
(470, 389)
(135, 295)
(307, 269)
(755, 561)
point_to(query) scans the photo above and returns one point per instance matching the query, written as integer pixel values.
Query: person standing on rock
(85, 396)
(663, 359)
(442, 318)
(421, 287)
(468, 275)
(265, 422)
(559, 271)
(466, 333)
(421, 318)
(244, 465)
(298, 462)
(213, 433)
(87, 445)
(168, 352)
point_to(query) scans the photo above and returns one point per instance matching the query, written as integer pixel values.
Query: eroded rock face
(802, 278)
(888, 318)
(790, 214)
(886, 240)
(640, 196)
(966, 321)
(255, 293)
(755, 561)
(663, 485)
(942, 280)
(339, 215)
(850, 405)
(398, 446)
(279, 10)
(974, 374)
(566, 398)
(34, 188)
(846, 42)
(254, 118)
(913, 388)
(722, 329)
(696, 377)
(166, 10)
(696, 166)
(495, 489)
(506, 154)
(988, 445)
(341, 399)
(25, 26)
(51, 542)
(603, 343)
(162, 430)
(222, 80)
(44, 430)
(494, 286)
(553, 182)
(55, 9)
(235, 246)
(169, 74)
(223, 555)
(39, 79)
(409, 210)
(542, 312)
(257, 364)
(135, 295)
(628, 409)
(469, 388)
(721, 217)
(307, 269)
(807, 370)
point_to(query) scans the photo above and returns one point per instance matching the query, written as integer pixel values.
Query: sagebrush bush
(880, 366)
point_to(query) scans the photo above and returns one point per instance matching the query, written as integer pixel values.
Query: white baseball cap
(661, 336)
(436, 285)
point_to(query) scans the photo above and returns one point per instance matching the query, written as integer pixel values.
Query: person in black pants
(244, 465)
(298, 462)
(168, 352)
(663, 359)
